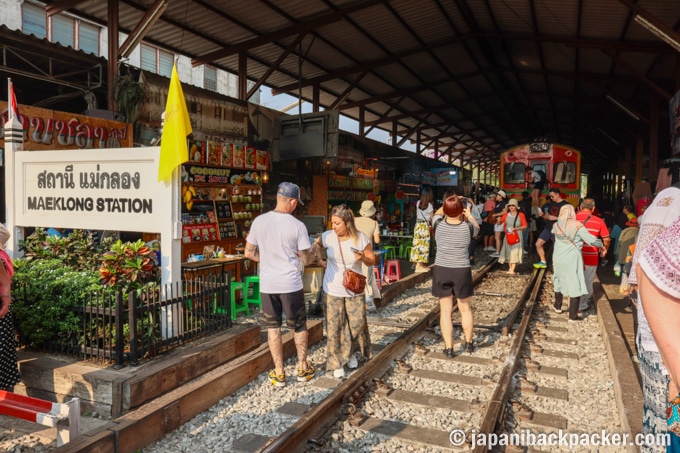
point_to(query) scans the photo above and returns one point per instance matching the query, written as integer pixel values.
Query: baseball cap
(290, 190)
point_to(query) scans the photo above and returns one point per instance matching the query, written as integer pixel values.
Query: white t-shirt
(332, 278)
(423, 215)
(279, 237)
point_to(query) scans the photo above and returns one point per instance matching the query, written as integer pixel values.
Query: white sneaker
(489, 249)
(495, 255)
(339, 373)
(370, 305)
(352, 362)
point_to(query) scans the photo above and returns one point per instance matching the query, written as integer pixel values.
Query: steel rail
(322, 416)
(510, 319)
(503, 388)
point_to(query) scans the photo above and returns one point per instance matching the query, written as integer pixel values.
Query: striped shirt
(453, 242)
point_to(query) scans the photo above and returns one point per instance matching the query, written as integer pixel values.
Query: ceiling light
(152, 15)
(623, 108)
(663, 35)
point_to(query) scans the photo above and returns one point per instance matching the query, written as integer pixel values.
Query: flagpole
(10, 110)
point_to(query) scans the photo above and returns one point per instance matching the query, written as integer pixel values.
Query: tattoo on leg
(301, 339)
(276, 348)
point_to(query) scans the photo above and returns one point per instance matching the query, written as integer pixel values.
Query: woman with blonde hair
(345, 311)
(420, 250)
(568, 277)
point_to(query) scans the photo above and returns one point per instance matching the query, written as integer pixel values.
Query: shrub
(46, 291)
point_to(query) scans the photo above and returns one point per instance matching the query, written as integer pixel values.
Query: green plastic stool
(243, 306)
(391, 251)
(252, 283)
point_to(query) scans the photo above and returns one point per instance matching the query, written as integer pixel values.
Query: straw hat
(4, 235)
(367, 208)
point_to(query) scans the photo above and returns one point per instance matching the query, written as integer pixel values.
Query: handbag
(351, 280)
(512, 237)
(428, 224)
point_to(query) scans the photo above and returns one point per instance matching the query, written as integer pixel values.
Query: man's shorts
(292, 304)
(546, 235)
(448, 281)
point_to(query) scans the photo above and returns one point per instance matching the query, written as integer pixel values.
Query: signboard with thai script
(117, 189)
(46, 129)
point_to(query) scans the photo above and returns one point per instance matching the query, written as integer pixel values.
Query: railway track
(409, 397)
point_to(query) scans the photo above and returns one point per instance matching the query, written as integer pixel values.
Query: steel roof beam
(59, 6)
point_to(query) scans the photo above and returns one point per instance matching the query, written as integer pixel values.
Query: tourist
(371, 230)
(550, 214)
(537, 185)
(9, 371)
(487, 226)
(420, 250)
(525, 207)
(451, 275)
(514, 224)
(597, 228)
(661, 213)
(498, 212)
(659, 288)
(568, 278)
(345, 311)
(475, 213)
(275, 240)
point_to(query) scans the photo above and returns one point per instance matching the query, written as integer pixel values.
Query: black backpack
(542, 174)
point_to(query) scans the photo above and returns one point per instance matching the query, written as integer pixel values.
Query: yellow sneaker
(305, 375)
(278, 380)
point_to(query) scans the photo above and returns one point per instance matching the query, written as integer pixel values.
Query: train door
(542, 168)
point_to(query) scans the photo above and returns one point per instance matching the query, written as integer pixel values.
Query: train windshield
(514, 173)
(564, 172)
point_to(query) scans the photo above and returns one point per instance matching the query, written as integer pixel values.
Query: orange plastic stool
(392, 271)
(376, 276)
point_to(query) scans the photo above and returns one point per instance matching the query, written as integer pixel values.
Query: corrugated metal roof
(517, 69)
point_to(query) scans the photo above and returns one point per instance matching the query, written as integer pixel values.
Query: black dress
(9, 371)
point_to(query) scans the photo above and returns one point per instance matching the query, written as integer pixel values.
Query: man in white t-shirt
(278, 241)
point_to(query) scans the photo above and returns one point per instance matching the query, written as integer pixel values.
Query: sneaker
(306, 375)
(489, 249)
(370, 305)
(278, 380)
(469, 347)
(495, 255)
(541, 265)
(557, 310)
(353, 362)
(448, 352)
(575, 320)
(339, 373)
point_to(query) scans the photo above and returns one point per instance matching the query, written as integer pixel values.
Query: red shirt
(597, 228)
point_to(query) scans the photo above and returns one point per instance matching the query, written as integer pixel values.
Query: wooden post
(653, 137)
(112, 69)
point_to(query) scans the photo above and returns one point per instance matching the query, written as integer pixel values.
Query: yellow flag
(175, 129)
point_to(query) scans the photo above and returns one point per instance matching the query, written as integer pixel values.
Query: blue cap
(290, 190)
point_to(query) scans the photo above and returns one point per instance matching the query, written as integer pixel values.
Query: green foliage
(129, 94)
(130, 266)
(78, 250)
(47, 290)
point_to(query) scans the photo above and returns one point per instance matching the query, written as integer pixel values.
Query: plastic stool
(391, 251)
(252, 283)
(243, 306)
(392, 271)
(405, 251)
(376, 276)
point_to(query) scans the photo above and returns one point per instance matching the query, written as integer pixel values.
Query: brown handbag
(351, 280)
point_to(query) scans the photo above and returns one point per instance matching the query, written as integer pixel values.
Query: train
(561, 165)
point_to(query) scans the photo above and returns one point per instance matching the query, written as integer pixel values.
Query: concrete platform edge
(627, 390)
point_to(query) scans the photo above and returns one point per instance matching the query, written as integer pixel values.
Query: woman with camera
(345, 310)
(451, 275)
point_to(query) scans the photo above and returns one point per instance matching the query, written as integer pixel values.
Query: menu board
(227, 154)
(213, 153)
(196, 152)
(199, 233)
(223, 209)
(228, 230)
(249, 157)
(239, 156)
(261, 160)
